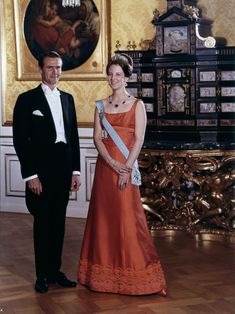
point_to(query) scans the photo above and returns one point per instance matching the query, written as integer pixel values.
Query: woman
(117, 253)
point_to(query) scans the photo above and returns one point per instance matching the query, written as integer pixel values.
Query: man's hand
(35, 186)
(76, 182)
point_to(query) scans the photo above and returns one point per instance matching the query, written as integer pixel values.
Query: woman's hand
(123, 180)
(119, 167)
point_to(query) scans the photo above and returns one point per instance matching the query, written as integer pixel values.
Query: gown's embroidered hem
(123, 281)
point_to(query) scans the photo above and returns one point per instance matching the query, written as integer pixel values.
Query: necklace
(122, 102)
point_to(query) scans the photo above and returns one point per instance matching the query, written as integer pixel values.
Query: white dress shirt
(53, 99)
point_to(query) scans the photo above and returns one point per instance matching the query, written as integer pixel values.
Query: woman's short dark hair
(124, 61)
(50, 54)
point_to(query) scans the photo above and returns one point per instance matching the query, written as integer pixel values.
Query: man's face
(51, 71)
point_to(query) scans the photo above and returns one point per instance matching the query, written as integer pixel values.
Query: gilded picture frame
(92, 69)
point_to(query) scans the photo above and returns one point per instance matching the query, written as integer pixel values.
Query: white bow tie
(50, 92)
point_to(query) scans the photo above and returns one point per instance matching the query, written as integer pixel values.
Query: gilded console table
(190, 190)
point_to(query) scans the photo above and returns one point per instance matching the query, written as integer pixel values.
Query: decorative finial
(118, 45)
(129, 45)
(156, 14)
(192, 11)
(133, 45)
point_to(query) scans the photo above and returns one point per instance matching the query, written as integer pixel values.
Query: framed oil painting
(78, 33)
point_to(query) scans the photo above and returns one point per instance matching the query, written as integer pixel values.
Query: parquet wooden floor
(200, 276)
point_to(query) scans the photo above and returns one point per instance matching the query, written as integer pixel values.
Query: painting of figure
(71, 31)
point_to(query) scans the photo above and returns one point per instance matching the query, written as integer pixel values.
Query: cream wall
(130, 20)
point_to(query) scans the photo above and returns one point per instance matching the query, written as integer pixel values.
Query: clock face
(175, 40)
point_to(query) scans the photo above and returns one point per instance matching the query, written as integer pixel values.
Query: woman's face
(116, 77)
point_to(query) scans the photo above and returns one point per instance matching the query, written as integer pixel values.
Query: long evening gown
(117, 253)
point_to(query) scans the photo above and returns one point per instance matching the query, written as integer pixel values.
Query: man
(46, 141)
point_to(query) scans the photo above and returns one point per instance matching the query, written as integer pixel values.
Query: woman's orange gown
(118, 254)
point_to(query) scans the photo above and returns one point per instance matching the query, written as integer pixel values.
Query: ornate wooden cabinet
(187, 83)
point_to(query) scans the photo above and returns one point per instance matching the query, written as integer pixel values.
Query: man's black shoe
(63, 281)
(41, 285)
